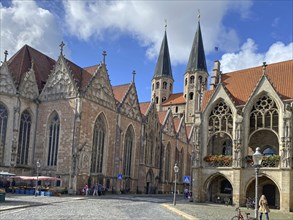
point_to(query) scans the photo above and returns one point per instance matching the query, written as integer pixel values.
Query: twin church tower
(195, 81)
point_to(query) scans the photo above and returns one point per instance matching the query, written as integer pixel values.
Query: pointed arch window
(3, 129)
(264, 114)
(157, 100)
(163, 99)
(53, 145)
(24, 138)
(186, 81)
(167, 162)
(128, 151)
(165, 85)
(221, 119)
(200, 80)
(99, 135)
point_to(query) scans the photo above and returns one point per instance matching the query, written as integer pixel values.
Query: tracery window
(149, 149)
(24, 138)
(221, 119)
(264, 114)
(157, 154)
(99, 135)
(128, 151)
(3, 128)
(53, 144)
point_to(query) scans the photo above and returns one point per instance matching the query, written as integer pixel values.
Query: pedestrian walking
(95, 189)
(263, 207)
(13, 185)
(86, 189)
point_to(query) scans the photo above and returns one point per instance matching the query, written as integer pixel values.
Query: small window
(163, 99)
(157, 85)
(164, 85)
(176, 109)
(186, 81)
(200, 79)
(153, 86)
(191, 96)
(157, 100)
(191, 79)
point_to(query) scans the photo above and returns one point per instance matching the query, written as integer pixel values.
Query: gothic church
(84, 130)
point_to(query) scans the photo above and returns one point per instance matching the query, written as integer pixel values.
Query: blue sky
(247, 33)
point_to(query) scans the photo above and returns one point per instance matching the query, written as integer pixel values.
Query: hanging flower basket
(218, 160)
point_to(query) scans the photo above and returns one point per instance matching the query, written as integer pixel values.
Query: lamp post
(38, 166)
(257, 159)
(176, 169)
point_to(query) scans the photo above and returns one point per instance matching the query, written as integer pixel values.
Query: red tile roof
(175, 99)
(120, 91)
(144, 107)
(242, 83)
(21, 62)
(162, 116)
(80, 75)
(176, 122)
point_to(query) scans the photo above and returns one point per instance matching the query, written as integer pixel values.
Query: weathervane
(5, 53)
(61, 47)
(165, 24)
(198, 16)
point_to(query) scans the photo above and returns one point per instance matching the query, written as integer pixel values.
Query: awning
(48, 178)
(2, 173)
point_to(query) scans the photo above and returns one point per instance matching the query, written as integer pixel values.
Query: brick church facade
(84, 130)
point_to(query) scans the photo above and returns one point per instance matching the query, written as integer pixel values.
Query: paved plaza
(117, 207)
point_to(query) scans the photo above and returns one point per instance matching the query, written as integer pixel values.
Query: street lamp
(38, 166)
(257, 159)
(176, 169)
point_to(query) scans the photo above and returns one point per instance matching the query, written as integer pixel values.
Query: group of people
(97, 190)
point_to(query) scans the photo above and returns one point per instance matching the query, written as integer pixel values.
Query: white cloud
(144, 21)
(248, 56)
(25, 23)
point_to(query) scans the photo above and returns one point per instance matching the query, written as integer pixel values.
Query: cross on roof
(198, 16)
(61, 47)
(264, 68)
(104, 56)
(6, 54)
(133, 75)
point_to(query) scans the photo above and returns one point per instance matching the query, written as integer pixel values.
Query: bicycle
(239, 215)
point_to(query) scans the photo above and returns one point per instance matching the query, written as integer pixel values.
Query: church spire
(197, 60)
(163, 67)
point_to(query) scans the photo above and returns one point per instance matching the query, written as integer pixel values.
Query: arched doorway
(266, 187)
(219, 189)
(149, 188)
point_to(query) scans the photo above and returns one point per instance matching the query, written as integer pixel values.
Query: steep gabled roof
(242, 83)
(120, 91)
(80, 75)
(163, 67)
(21, 62)
(197, 60)
(175, 99)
